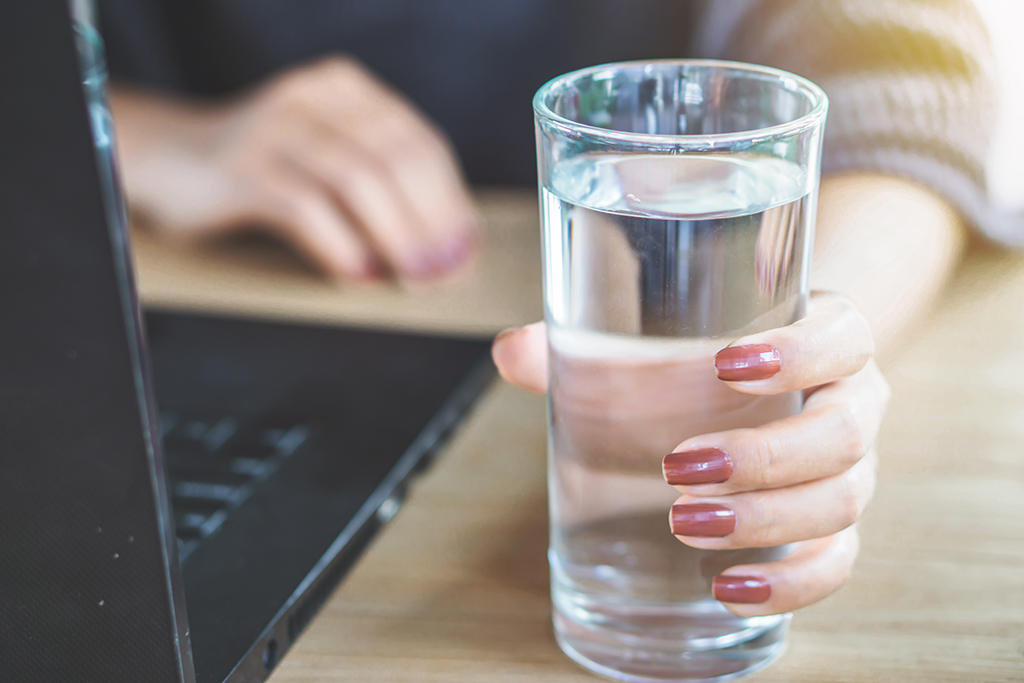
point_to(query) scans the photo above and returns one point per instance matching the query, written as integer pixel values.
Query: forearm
(889, 244)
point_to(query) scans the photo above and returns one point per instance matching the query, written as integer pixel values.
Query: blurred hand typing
(326, 157)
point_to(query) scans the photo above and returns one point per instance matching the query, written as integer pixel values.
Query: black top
(471, 65)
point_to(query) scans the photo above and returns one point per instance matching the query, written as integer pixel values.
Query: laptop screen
(84, 552)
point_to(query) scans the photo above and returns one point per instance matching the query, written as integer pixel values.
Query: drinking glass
(677, 214)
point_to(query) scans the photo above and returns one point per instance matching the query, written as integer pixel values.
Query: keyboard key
(220, 433)
(194, 430)
(212, 523)
(257, 445)
(205, 467)
(220, 493)
(192, 520)
(257, 469)
(214, 461)
(292, 439)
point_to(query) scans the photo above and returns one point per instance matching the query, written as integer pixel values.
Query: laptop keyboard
(213, 466)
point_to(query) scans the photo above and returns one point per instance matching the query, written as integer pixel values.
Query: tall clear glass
(677, 206)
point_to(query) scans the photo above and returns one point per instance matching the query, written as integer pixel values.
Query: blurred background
(1004, 20)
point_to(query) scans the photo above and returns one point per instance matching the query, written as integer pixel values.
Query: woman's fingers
(833, 341)
(814, 570)
(328, 157)
(380, 147)
(362, 192)
(308, 219)
(428, 177)
(837, 426)
(421, 165)
(521, 356)
(760, 519)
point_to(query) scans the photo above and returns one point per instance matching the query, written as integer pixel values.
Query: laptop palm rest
(286, 447)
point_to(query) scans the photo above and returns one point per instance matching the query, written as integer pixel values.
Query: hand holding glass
(678, 205)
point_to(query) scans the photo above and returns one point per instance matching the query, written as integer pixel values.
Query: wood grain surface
(456, 588)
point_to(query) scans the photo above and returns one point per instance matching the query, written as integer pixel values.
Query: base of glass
(637, 659)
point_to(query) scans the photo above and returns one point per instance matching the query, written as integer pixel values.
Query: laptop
(179, 493)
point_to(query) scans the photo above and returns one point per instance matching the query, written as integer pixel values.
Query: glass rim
(791, 82)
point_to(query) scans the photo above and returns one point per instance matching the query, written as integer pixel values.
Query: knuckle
(398, 158)
(851, 543)
(306, 84)
(846, 571)
(846, 546)
(247, 164)
(336, 62)
(764, 529)
(297, 205)
(355, 179)
(424, 145)
(292, 111)
(869, 474)
(863, 356)
(882, 385)
(433, 142)
(789, 337)
(857, 486)
(853, 443)
(767, 454)
(846, 318)
(844, 304)
(331, 66)
(414, 155)
(394, 126)
(848, 506)
(291, 85)
(843, 307)
(867, 351)
(858, 322)
(285, 106)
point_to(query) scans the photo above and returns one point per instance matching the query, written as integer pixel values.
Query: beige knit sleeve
(910, 82)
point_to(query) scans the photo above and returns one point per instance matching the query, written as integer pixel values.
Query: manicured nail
(453, 251)
(748, 590)
(702, 519)
(371, 269)
(701, 466)
(419, 266)
(747, 363)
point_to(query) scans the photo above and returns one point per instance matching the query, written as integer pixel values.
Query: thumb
(521, 356)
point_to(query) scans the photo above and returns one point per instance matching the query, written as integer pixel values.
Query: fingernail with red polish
(701, 466)
(419, 266)
(452, 252)
(747, 363)
(702, 519)
(371, 269)
(748, 590)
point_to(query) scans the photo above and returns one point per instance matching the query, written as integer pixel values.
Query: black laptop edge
(91, 587)
(377, 511)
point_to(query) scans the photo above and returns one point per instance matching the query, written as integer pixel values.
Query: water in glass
(653, 264)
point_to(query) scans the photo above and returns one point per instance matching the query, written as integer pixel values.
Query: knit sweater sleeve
(910, 83)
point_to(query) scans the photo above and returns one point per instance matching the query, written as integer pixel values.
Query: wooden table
(456, 588)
